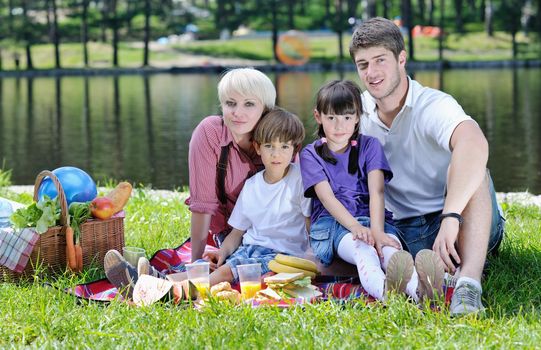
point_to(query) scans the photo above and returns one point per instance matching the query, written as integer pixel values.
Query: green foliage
(39, 314)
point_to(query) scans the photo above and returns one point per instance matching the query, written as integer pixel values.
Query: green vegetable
(79, 213)
(41, 215)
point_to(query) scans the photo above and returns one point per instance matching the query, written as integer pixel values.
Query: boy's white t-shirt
(273, 215)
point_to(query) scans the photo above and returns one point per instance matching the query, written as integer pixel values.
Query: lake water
(137, 128)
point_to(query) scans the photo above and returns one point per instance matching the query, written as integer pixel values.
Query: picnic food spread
(288, 285)
(293, 264)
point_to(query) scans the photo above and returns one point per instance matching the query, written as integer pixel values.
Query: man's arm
(466, 172)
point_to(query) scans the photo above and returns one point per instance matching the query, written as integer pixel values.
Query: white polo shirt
(417, 148)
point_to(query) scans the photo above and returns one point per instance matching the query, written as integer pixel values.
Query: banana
(275, 266)
(297, 262)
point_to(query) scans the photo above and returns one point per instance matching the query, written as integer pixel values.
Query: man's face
(379, 70)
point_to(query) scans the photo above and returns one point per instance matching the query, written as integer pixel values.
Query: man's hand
(381, 240)
(444, 245)
(216, 258)
(359, 232)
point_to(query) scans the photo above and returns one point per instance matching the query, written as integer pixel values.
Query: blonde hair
(247, 82)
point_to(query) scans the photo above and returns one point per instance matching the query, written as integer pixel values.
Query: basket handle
(64, 215)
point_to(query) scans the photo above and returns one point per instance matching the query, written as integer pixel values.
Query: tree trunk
(352, 7)
(328, 12)
(50, 29)
(386, 7)
(431, 6)
(459, 23)
(291, 14)
(489, 12)
(115, 31)
(104, 20)
(339, 31)
(27, 37)
(56, 36)
(407, 17)
(422, 9)
(10, 16)
(147, 32)
(84, 32)
(371, 8)
(539, 18)
(274, 29)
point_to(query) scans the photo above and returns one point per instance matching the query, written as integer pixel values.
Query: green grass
(34, 315)
(473, 46)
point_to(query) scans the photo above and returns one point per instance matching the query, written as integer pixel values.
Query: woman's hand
(216, 258)
(382, 239)
(360, 232)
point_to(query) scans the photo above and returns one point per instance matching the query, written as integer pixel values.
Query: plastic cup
(132, 254)
(198, 274)
(250, 280)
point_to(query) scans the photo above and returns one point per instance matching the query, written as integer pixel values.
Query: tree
(489, 12)
(407, 18)
(459, 23)
(291, 14)
(114, 25)
(55, 34)
(339, 28)
(431, 7)
(84, 31)
(27, 36)
(148, 11)
(371, 10)
(422, 9)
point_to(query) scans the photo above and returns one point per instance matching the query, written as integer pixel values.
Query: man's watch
(453, 215)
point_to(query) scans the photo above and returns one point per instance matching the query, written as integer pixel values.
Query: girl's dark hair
(340, 97)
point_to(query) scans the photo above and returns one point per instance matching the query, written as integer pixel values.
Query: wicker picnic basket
(97, 237)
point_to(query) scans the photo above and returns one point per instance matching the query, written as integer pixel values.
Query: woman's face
(241, 114)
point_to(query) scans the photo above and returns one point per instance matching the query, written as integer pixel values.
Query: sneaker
(120, 273)
(431, 272)
(144, 268)
(466, 299)
(399, 271)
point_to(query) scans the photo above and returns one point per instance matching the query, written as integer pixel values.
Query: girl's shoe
(431, 272)
(399, 272)
(120, 272)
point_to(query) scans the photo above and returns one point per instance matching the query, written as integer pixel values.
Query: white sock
(366, 259)
(462, 280)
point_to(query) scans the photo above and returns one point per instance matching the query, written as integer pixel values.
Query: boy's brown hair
(377, 31)
(282, 125)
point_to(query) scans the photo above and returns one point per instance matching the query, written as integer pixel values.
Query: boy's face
(379, 70)
(276, 156)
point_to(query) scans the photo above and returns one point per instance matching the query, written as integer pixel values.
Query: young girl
(344, 173)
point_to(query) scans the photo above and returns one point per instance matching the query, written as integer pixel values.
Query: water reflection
(138, 128)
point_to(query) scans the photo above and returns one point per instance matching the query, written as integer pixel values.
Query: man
(441, 196)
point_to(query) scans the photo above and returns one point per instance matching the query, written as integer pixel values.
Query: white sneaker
(144, 268)
(466, 299)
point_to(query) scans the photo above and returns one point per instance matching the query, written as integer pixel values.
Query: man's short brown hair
(377, 31)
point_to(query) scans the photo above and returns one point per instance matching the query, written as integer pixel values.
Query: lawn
(473, 46)
(40, 316)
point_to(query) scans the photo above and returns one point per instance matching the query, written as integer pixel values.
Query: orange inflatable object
(293, 48)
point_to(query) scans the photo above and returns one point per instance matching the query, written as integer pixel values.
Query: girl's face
(241, 114)
(338, 129)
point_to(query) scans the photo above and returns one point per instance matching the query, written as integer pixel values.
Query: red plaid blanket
(16, 247)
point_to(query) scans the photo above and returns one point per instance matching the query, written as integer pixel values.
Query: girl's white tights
(369, 266)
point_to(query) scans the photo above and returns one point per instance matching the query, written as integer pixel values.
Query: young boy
(270, 216)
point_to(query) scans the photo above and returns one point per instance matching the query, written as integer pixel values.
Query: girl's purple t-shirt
(350, 189)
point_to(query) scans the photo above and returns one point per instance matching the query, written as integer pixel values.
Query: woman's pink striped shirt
(205, 147)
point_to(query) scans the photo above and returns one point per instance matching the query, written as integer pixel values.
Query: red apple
(101, 208)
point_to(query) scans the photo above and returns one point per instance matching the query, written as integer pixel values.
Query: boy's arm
(376, 183)
(231, 242)
(341, 214)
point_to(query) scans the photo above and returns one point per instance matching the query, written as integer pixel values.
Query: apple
(102, 208)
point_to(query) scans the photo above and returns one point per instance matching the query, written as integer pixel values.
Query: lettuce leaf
(41, 215)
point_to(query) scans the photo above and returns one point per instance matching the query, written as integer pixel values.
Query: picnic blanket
(173, 260)
(16, 247)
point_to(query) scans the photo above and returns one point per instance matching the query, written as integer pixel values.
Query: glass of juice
(198, 274)
(250, 279)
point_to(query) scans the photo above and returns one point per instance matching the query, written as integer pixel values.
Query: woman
(222, 156)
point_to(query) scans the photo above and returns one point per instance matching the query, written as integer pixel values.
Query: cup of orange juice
(250, 279)
(198, 274)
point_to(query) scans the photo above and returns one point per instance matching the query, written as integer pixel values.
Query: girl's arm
(376, 183)
(341, 214)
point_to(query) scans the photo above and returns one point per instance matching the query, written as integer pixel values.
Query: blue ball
(78, 186)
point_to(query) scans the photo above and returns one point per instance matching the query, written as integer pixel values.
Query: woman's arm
(199, 230)
(340, 213)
